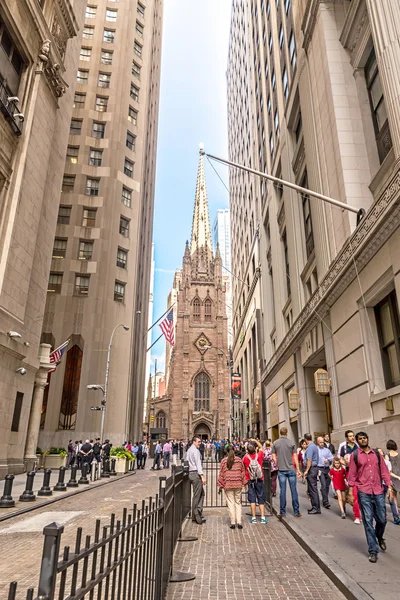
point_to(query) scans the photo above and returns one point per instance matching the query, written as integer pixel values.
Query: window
(287, 6)
(106, 57)
(387, 320)
(79, 100)
(266, 68)
(98, 130)
(122, 257)
(111, 15)
(91, 12)
(130, 140)
(137, 48)
(101, 103)
(108, 36)
(64, 215)
(207, 311)
(269, 105)
(104, 80)
(17, 411)
(135, 70)
(70, 393)
(95, 157)
(377, 103)
(299, 128)
(202, 392)
(196, 309)
(126, 197)
(85, 250)
(140, 9)
(139, 29)
(82, 76)
(161, 420)
(308, 230)
(85, 54)
(128, 168)
(68, 183)
(134, 92)
(92, 187)
(285, 84)
(72, 154)
(273, 80)
(119, 291)
(292, 50)
(276, 121)
(281, 38)
(270, 42)
(88, 32)
(55, 282)
(82, 285)
(271, 144)
(124, 226)
(132, 115)
(268, 7)
(59, 248)
(89, 217)
(287, 269)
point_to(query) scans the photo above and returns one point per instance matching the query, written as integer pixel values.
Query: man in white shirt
(197, 480)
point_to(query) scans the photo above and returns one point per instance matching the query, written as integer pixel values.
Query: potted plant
(39, 457)
(123, 457)
(55, 458)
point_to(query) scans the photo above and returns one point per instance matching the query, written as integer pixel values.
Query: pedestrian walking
(337, 473)
(217, 446)
(202, 448)
(255, 479)
(167, 448)
(325, 459)
(284, 454)
(346, 448)
(208, 449)
(274, 468)
(145, 454)
(232, 479)
(197, 480)
(301, 458)
(367, 470)
(175, 450)
(328, 444)
(157, 457)
(181, 450)
(394, 457)
(139, 456)
(311, 474)
(71, 453)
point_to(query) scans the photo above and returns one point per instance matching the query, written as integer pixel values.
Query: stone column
(32, 435)
(384, 17)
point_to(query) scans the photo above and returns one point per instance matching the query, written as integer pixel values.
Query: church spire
(201, 231)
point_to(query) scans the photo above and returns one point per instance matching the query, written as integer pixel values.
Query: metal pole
(104, 401)
(289, 184)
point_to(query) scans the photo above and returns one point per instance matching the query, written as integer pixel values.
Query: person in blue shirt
(325, 458)
(311, 473)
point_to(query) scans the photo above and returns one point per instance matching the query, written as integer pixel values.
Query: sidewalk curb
(346, 584)
(87, 488)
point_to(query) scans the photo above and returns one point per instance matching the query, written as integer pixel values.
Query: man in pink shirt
(366, 471)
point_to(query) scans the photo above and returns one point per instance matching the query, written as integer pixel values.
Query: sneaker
(373, 557)
(233, 526)
(397, 521)
(357, 521)
(253, 520)
(343, 515)
(382, 544)
(264, 520)
(240, 526)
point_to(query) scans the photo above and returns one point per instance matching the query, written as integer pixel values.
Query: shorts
(256, 491)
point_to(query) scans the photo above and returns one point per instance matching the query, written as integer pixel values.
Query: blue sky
(192, 110)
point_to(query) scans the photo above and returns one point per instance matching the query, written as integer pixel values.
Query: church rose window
(202, 392)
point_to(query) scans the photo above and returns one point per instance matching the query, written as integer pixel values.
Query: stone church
(197, 399)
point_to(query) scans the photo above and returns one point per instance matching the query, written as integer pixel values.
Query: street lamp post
(104, 388)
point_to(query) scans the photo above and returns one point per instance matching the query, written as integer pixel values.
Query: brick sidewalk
(21, 538)
(260, 561)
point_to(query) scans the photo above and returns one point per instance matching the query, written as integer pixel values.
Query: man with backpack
(366, 471)
(255, 479)
(284, 454)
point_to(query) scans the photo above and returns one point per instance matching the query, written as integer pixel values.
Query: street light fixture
(97, 386)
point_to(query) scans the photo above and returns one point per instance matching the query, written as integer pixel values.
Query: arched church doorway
(203, 431)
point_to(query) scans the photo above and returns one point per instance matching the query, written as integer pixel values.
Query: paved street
(22, 538)
(345, 544)
(261, 561)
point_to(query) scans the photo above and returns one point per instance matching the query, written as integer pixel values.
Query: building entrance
(203, 431)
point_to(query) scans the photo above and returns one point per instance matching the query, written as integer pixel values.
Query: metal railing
(131, 557)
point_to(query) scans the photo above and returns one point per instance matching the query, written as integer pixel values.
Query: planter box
(39, 458)
(121, 464)
(54, 461)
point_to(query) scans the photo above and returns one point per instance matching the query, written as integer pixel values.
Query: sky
(192, 111)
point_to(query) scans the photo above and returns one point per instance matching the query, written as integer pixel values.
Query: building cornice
(378, 225)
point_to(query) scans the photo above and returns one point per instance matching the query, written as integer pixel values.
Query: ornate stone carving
(44, 53)
(60, 36)
(57, 84)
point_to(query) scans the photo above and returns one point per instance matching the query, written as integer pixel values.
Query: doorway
(203, 431)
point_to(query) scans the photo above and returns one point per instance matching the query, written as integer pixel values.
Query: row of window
(92, 187)
(96, 154)
(85, 251)
(111, 14)
(207, 310)
(81, 287)
(109, 37)
(89, 218)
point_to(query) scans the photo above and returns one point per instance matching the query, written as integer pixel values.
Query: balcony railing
(9, 109)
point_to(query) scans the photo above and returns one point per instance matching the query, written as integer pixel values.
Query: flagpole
(163, 315)
(150, 347)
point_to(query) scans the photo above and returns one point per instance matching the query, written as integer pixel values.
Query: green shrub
(60, 451)
(39, 450)
(121, 452)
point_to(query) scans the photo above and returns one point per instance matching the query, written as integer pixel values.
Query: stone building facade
(39, 49)
(197, 399)
(323, 113)
(102, 250)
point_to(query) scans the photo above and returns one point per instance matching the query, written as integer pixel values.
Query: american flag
(56, 355)
(167, 327)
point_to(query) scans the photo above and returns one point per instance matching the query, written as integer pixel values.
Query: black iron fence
(129, 558)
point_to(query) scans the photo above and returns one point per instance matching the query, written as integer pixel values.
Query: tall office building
(39, 49)
(101, 268)
(222, 237)
(323, 113)
(149, 329)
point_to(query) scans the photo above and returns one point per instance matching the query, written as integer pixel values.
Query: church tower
(198, 392)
